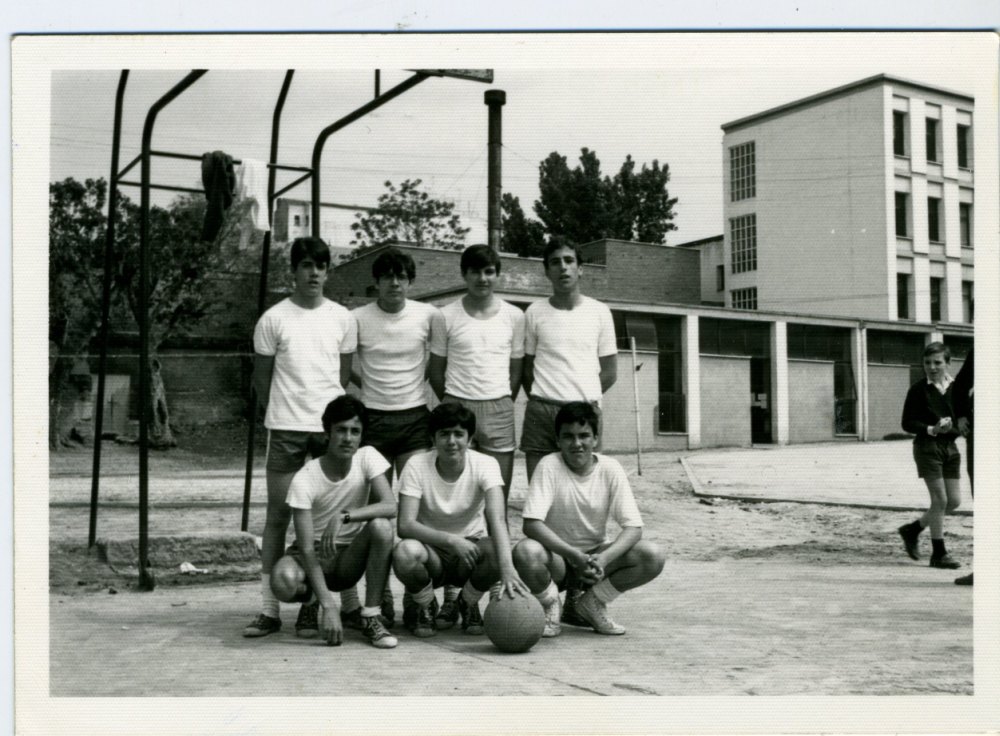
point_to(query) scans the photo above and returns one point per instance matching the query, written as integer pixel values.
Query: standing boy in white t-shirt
(448, 499)
(303, 347)
(572, 494)
(570, 353)
(341, 505)
(391, 368)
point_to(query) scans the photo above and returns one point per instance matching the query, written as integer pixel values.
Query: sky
(669, 109)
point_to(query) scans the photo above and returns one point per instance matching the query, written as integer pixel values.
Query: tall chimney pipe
(494, 99)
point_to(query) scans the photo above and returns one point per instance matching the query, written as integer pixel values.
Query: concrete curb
(172, 550)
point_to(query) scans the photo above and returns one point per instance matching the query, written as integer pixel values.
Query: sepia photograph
(633, 365)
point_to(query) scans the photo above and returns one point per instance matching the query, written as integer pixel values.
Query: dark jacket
(924, 406)
(961, 398)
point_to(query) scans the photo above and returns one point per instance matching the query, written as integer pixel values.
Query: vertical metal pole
(265, 259)
(378, 82)
(146, 580)
(495, 99)
(95, 475)
(635, 398)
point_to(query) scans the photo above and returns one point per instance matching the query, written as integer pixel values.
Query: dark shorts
(333, 581)
(453, 572)
(287, 449)
(395, 433)
(494, 422)
(572, 577)
(937, 459)
(538, 434)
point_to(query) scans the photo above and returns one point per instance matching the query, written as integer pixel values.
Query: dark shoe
(262, 626)
(423, 622)
(472, 617)
(388, 609)
(964, 580)
(945, 562)
(570, 615)
(376, 633)
(911, 540)
(447, 616)
(307, 624)
(352, 619)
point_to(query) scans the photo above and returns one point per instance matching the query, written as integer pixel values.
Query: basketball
(514, 624)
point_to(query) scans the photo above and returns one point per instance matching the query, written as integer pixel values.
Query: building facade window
(296, 220)
(902, 215)
(968, 302)
(964, 146)
(816, 342)
(933, 149)
(745, 298)
(720, 278)
(937, 285)
(899, 136)
(672, 403)
(743, 238)
(742, 172)
(903, 296)
(934, 233)
(965, 223)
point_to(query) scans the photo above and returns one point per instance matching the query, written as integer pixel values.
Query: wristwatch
(346, 518)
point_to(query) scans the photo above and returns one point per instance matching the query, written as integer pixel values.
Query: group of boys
(477, 353)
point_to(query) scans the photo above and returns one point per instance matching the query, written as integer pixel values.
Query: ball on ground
(514, 624)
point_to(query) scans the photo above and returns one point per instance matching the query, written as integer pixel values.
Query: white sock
(451, 592)
(605, 592)
(425, 596)
(470, 594)
(270, 606)
(370, 611)
(349, 599)
(548, 596)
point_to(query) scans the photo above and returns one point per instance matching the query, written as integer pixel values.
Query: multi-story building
(857, 202)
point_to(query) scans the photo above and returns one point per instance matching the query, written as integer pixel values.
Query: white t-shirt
(567, 345)
(392, 353)
(306, 345)
(312, 489)
(479, 351)
(577, 507)
(458, 507)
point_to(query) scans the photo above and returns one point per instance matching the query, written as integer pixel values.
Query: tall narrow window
(968, 302)
(742, 172)
(297, 220)
(745, 298)
(903, 296)
(936, 288)
(899, 133)
(902, 215)
(932, 140)
(965, 223)
(720, 278)
(743, 239)
(934, 219)
(964, 134)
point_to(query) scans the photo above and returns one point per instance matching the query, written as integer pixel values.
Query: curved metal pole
(146, 581)
(95, 474)
(317, 156)
(262, 287)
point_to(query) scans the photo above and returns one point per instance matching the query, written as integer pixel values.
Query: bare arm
(516, 372)
(609, 371)
(625, 541)
(527, 373)
(537, 529)
(263, 370)
(346, 359)
(331, 627)
(410, 528)
(383, 506)
(436, 368)
(355, 374)
(496, 518)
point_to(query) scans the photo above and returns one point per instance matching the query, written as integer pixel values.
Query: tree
(519, 235)
(642, 208)
(409, 215)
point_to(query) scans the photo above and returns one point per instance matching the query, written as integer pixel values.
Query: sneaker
(447, 616)
(352, 619)
(964, 580)
(262, 626)
(307, 624)
(911, 540)
(388, 609)
(376, 633)
(423, 621)
(552, 617)
(945, 562)
(570, 615)
(472, 617)
(595, 613)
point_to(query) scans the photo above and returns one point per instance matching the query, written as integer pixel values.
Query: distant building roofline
(838, 91)
(701, 241)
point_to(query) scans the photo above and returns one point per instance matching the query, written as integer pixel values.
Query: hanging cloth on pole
(251, 185)
(219, 180)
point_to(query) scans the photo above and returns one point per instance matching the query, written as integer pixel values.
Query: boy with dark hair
(572, 494)
(928, 414)
(391, 368)
(448, 499)
(303, 347)
(477, 363)
(341, 505)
